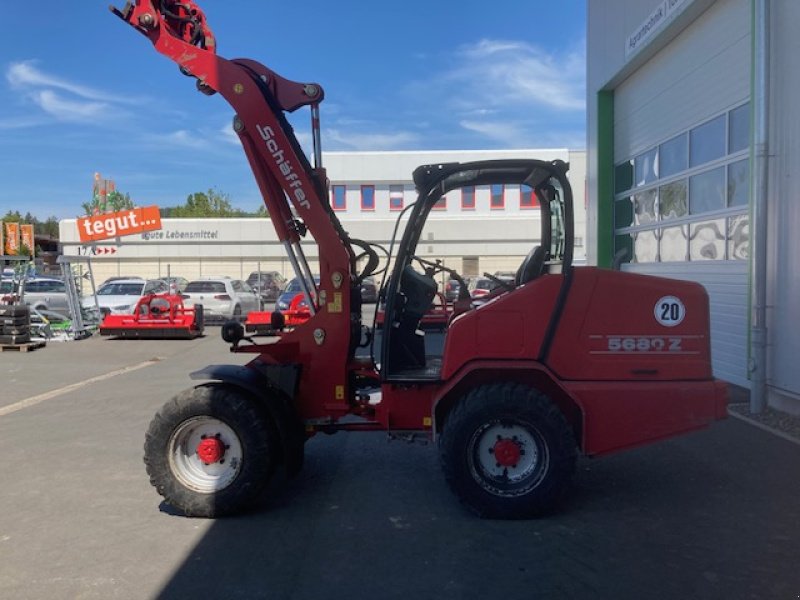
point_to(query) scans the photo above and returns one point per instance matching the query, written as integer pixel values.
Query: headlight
(283, 305)
(122, 308)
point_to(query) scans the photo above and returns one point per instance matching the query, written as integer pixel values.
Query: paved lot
(714, 514)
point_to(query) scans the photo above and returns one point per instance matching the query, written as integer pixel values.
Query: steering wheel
(428, 265)
(504, 284)
(432, 268)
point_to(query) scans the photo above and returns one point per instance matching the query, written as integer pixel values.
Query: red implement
(268, 323)
(156, 316)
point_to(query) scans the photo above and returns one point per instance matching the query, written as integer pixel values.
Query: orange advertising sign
(12, 239)
(26, 233)
(126, 222)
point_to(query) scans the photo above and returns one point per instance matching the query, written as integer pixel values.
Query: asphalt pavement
(713, 514)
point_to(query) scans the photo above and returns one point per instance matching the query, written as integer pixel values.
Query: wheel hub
(507, 452)
(210, 450)
(506, 457)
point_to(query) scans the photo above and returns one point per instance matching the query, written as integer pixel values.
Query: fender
(273, 387)
(529, 372)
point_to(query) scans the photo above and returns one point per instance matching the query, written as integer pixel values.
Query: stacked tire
(15, 324)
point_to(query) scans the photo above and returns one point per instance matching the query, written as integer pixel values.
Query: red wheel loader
(563, 360)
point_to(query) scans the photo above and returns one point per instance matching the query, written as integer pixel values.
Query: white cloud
(25, 75)
(180, 138)
(370, 141)
(228, 135)
(520, 135)
(497, 74)
(65, 100)
(20, 123)
(507, 93)
(507, 133)
(68, 110)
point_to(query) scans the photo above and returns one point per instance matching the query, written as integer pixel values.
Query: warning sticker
(669, 311)
(336, 305)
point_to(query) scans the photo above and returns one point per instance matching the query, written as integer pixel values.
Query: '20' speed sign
(669, 311)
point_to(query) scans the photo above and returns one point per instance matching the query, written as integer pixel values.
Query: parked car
(451, 289)
(46, 293)
(176, 284)
(120, 296)
(7, 289)
(268, 284)
(480, 288)
(290, 291)
(41, 293)
(120, 278)
(222, 298)
(369, 290)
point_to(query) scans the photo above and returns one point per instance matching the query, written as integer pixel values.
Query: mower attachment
(156, 316)
(271, 323)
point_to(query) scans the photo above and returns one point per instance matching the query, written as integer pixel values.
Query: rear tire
(507, 451)
(238, 466)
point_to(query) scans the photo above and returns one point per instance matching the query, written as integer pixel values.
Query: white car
(222, 298)
(120, 296)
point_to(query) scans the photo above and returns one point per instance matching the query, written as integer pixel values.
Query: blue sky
(81, 92)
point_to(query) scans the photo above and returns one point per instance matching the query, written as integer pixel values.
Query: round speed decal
(669, 311)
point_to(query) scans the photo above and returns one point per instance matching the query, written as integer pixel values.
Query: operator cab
(410, 354)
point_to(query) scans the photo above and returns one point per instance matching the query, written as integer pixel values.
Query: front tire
(210, 451)
(507, 451)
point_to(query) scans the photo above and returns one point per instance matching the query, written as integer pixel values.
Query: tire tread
(239, 412)
(507, 398)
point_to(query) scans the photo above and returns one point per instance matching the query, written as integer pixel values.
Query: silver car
(222, 298)
(41, 293)
(120, 296)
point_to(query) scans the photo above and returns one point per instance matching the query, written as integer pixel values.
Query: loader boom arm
(294, 193)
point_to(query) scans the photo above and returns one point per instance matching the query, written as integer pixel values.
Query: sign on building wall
(655, 21)
(118, 224)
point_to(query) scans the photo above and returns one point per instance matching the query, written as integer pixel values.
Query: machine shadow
(367, 518)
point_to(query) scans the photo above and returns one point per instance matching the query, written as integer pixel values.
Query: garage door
(681, 147)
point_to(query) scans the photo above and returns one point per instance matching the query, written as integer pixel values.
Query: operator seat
(418, 291)
(531, 267)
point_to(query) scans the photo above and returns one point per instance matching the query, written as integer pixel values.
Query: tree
(48, 227)
(209, 204)
(117, 201)
(44, 228)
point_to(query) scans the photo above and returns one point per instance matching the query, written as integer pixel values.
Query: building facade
(476, 231)
(679, 111)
